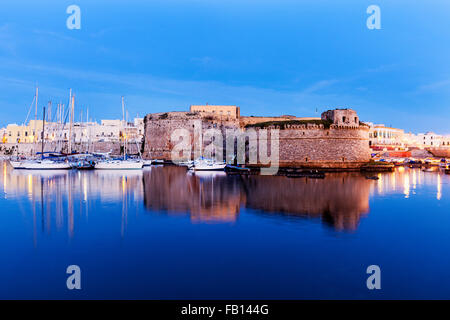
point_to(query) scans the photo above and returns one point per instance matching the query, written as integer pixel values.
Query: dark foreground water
(163, 233)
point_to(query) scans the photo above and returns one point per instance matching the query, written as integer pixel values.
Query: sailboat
(125, 163)
(44, 164)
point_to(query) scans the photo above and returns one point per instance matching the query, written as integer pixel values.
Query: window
(343, 119)
(356, 119)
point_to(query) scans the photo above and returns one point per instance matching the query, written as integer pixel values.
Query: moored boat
(119, 165)
(85, 165)
(208, 165)
(16, 164)
(45, 165)
(147, 163)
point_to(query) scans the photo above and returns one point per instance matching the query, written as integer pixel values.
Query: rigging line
(29, 110)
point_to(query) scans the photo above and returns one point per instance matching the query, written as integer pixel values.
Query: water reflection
(340, 200)
(407, 182)
(206, 197)
(56, 196)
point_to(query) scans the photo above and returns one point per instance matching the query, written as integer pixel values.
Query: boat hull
(16, 164)
(46, 166)
(215, 167)
(119, 165)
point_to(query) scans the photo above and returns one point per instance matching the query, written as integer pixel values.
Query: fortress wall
(305, 145)
(159, 128)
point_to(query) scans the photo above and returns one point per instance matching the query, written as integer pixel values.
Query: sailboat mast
(35, 119)
(123, 128)
(43, 133)
(71, 123)
(88, 129)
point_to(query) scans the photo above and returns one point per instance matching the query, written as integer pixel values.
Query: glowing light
(439, 190)
(85, 188)
(380, 184)
(5, 181)
(30, 184)
(406, 186)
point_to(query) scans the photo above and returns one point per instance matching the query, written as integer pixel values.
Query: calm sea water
(163, 233)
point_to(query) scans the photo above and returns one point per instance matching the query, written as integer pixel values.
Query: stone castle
(337, 140)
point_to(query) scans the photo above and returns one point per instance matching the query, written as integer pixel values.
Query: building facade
(82, 132)
(232, 112)
(386, 137)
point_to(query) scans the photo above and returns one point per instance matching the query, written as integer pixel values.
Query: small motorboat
(415, 163)
(147, 163)
(208, 165)
(373, 178)
(85, 165)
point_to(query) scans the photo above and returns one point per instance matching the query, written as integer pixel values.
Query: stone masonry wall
(306, 145)
(313, 146)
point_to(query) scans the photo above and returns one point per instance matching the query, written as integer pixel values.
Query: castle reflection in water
(340, 200)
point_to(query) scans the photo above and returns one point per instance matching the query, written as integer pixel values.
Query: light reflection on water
(66, 211)
(339, 200)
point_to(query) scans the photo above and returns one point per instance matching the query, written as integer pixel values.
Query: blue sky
(268, 57)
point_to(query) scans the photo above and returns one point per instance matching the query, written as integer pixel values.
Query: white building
(382, 136)
(82, 132)
(427, 140)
